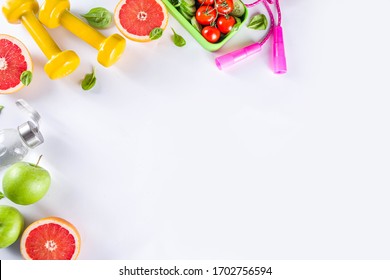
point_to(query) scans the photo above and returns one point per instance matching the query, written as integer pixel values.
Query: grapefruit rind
(27, 58)
(135, 37)
(49, 220)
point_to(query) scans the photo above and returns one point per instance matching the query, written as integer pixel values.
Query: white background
(170, 158)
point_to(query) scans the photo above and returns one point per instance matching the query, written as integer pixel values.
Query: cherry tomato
(206, 2)
(225, 23)
(224, 6)
(206, 15)
(211, 34)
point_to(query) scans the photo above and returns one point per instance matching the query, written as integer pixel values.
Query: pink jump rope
(278, 55)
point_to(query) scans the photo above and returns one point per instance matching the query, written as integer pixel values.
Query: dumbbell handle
(40, 35)
(81, 29)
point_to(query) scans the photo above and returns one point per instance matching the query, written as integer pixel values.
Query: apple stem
(39, 159)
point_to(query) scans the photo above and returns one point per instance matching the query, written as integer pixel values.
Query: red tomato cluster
(214, 17)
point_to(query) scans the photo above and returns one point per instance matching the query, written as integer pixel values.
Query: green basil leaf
(237, 24)
(98, 17)
(1, 195)
(235, 27)
(26, 77)
(89, 81)
(178, 40)
(238, 20)
(258, 22)
(1, 108)
(156, 33)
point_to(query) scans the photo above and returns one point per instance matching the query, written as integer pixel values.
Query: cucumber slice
(239, 8)
(185, 14)
(196, 24)
(189, 10)
(175, 3)
(189, 3)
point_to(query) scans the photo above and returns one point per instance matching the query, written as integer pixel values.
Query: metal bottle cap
(30, 134)
(29, 131)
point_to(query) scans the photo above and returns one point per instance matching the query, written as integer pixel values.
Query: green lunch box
(196, 34)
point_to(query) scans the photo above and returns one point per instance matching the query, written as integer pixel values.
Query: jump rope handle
(278, 55)
(233, 57)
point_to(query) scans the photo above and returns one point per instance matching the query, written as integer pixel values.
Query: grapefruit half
(50, 238)
(135, 19)
(14, 60)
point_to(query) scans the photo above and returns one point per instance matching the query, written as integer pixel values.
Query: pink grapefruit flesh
(14, 60)
(50, 238)
(135, 19)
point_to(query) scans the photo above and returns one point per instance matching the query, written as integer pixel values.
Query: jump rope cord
(266, 3)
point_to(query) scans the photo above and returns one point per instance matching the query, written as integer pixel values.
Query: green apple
(25, 183)
(11, 225)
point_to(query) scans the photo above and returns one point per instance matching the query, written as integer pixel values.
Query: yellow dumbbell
(61, 63)
(54, 13)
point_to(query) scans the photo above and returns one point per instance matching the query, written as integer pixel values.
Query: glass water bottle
(16, 143)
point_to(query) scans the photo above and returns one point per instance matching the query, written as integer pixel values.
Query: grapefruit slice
(14, 60)
(50, 238)
(135, 19)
